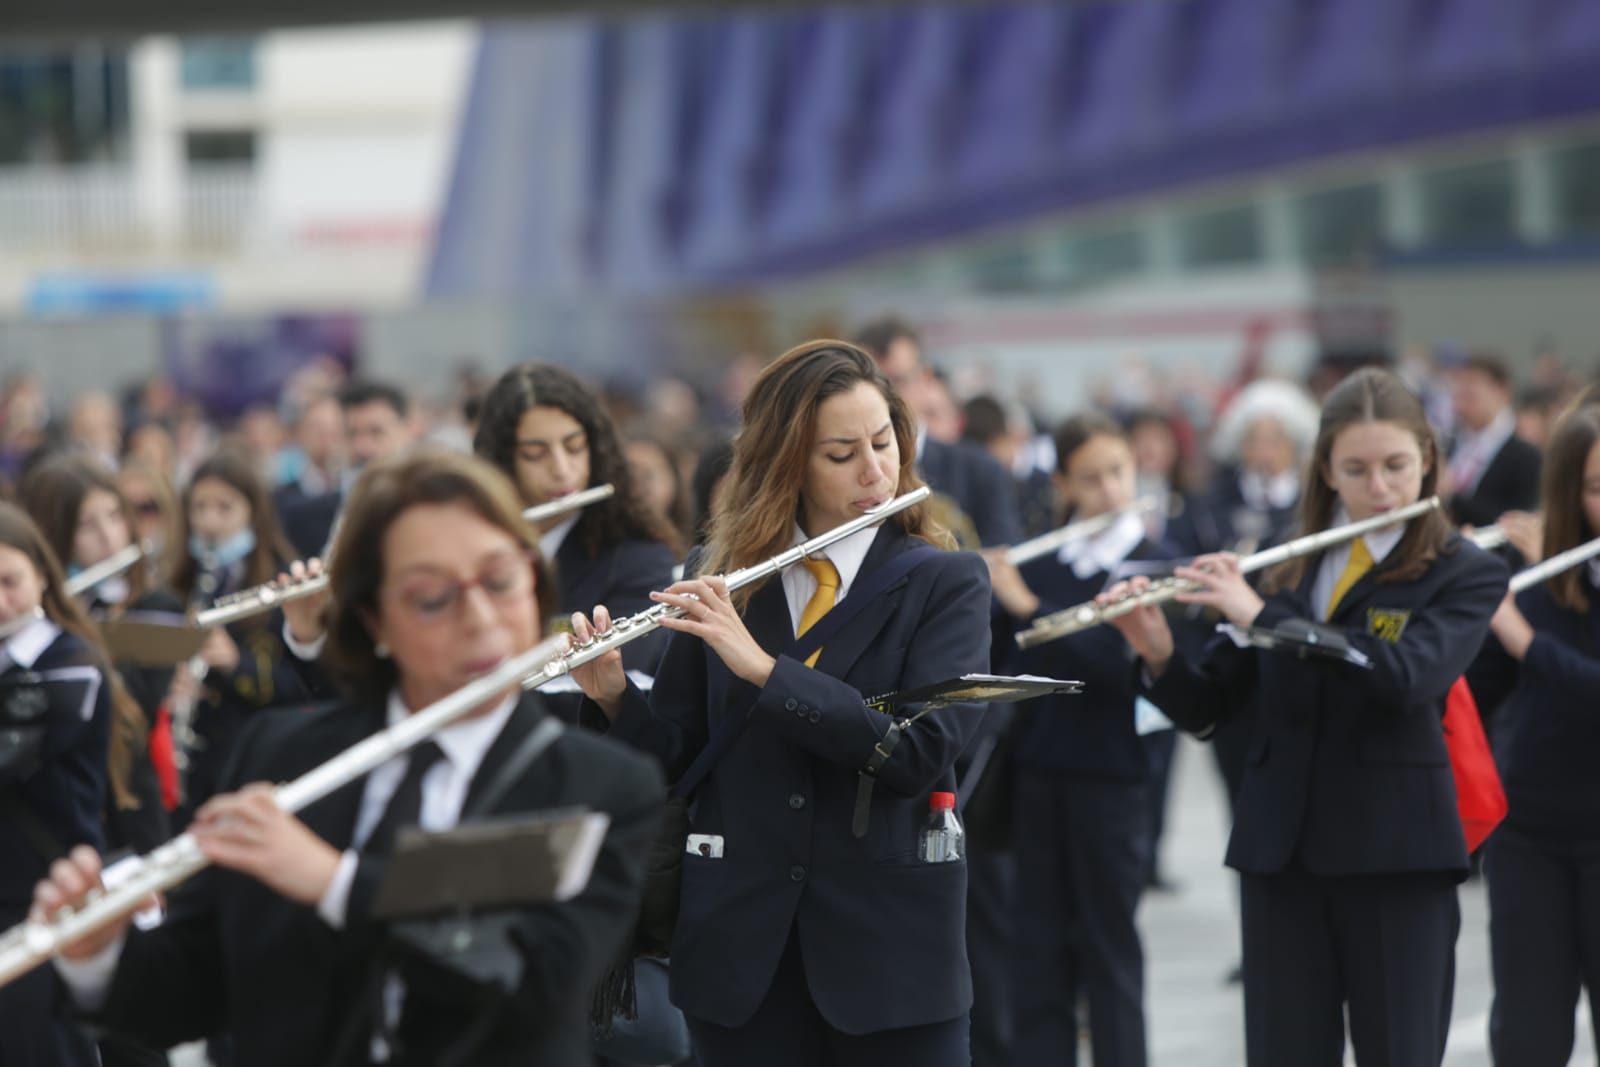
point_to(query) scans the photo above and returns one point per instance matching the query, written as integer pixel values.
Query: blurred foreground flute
(1088, 614)
(28, 944)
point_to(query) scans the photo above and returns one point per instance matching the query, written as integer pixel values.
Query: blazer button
(797, 873)
(816, 716)
(796, 801)
(790, 704)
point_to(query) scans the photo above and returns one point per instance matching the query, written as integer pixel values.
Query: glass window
(1110, 253)
(1576, 174)
(63, 107)
(1221, 237)
(1468, 204)
(218, 63)
(220, 146)
(1003, 268)
(1340, 226)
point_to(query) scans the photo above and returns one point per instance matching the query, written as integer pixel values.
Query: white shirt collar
(922, 442)
(1594, 573)
(1102, 552)
(1487, 441)
(1379, 544)
(27, 645)
(1280, 491)
(466, 741)
(847, 555)
(550, 541)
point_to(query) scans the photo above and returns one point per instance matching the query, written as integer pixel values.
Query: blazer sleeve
(1563, 670)
(670, 723)
(1439, 642)
(951, 639)
(639, 568)
(169, 986)
(1199, 690)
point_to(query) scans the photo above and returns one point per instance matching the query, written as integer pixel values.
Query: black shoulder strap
(533, 746)
(863, 593)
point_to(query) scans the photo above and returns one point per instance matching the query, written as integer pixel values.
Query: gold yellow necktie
(1360, 563)
(827, 576)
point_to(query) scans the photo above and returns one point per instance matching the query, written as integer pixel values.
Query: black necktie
(405, 807)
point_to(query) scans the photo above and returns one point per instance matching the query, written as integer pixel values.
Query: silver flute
(1488, 538)
(1529, 577)
(1089, 614)
(262, 598)
(1047, 543)
(571, 502)
(31, 943)
(109, 567)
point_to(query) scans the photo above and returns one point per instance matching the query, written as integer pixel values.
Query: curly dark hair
(604, 525)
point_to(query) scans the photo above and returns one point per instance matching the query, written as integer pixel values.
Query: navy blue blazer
(1347, 772)
(1091, 734)
(979, 486)
(52, 764)
(1546, 733)
(308, 521)
(620, 577)
(883, 935)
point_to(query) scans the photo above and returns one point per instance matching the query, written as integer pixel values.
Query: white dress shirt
(1265, 494)
(444, 790)
(1105, 550)
(1379, 544)
(847, 555)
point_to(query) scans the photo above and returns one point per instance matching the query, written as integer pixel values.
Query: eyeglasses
(145, 508)
(433, 599)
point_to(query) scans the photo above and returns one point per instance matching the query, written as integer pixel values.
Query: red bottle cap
(941, 802)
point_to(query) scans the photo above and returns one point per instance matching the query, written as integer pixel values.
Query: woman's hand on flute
(69, 885)
(1222, 587)
(1145, 628)
(602, 680)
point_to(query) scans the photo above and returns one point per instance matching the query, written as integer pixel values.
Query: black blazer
(981, 488)
(882, 934)
(620, 577)
(233, 957)
(52, 767)
(1348, 773)
(1510, 483)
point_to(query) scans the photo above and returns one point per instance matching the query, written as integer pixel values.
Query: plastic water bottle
(943, 841)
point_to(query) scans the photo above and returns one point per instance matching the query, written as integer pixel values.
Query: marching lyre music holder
(984, 688)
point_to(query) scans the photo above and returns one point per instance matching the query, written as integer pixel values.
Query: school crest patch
(1387, 624)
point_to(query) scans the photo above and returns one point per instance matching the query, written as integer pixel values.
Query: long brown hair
(235, 469)
(384, 492)
(600, 526)
(1371, 394)
(53, 494)
(128, 725)
(756, 507)
(1565, 525)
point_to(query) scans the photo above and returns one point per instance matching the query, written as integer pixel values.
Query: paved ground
(1191, 938)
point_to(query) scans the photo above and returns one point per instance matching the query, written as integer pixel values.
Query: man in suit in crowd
(978, 485)
(317, 461)
(1492, 470)
(377, 426)
(982, 490)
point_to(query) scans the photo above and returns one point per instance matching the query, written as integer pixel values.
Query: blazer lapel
(524, 717)
(766, 616)
(333, 818)
(1357, 594)
(848, 645)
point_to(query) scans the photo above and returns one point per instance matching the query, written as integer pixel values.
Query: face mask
(225, 554)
